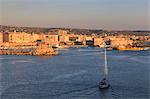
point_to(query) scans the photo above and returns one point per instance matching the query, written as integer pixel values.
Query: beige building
(89, 38)
(18, 37)
(81, 38)
(121, 42)
(63, 36)
(98, 41)
(35, 37)
(1, 37)
(51, 39)
(62, 32)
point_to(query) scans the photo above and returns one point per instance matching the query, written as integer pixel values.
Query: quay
(41, 50)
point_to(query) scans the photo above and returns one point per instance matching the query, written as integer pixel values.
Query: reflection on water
(75, 74)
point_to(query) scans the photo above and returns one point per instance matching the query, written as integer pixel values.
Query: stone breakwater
(38, 51)
(43, 51)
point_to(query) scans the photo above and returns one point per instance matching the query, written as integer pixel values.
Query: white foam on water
(66, 76)
(86, 54)
(121, 57)
(139, 60)
(20, 61)
(133, 58)
(87, 50)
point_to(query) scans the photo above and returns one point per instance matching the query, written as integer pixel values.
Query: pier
(34, 51)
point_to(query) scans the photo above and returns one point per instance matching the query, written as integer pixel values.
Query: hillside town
(26, 43)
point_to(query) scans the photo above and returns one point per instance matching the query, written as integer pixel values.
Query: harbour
(74, 49)
(75, 74)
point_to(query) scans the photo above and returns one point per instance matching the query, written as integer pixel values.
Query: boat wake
(21, 61)
(114, 93)
(66, 76)
(133, 58)
(86, 54)
(46, 90)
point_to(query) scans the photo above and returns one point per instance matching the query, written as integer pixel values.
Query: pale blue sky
(95, 14)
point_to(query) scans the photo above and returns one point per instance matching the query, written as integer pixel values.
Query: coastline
(40, 50)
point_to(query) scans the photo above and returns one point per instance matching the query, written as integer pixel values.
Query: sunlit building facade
(18, 37)
(1, 37)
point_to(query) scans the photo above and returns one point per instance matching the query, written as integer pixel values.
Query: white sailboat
(104, 83)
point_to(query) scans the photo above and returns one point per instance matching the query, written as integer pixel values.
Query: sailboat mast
(106, 66)
(104, 83)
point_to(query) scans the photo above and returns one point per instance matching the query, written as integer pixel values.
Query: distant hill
(23, 29)
(46, 30)
(75, 31)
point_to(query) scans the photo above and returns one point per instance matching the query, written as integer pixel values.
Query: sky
(91, 14)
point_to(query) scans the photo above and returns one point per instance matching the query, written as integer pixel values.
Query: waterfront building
(121, 42)
(62, 32)
(90, 42)
(51, 39)
(64, 38)
(81, 38)
(19, 37)
(1, 37)
(5, 37)
(73, 37)
(111, 38)
(89, 38)
(99, 41)
(42, 37)
(35, 37)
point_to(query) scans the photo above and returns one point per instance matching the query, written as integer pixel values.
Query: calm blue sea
(75, 74)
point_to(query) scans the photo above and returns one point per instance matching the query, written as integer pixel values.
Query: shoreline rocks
(41, 50)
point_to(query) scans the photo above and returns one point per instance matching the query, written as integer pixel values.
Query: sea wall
(40, 50)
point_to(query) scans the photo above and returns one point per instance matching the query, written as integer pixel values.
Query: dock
(34, 51)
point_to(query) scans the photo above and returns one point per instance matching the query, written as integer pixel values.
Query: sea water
(75, 74)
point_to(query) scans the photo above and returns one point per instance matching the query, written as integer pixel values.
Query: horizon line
(46, 27)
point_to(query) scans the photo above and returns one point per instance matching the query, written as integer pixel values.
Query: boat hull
(104, 86)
